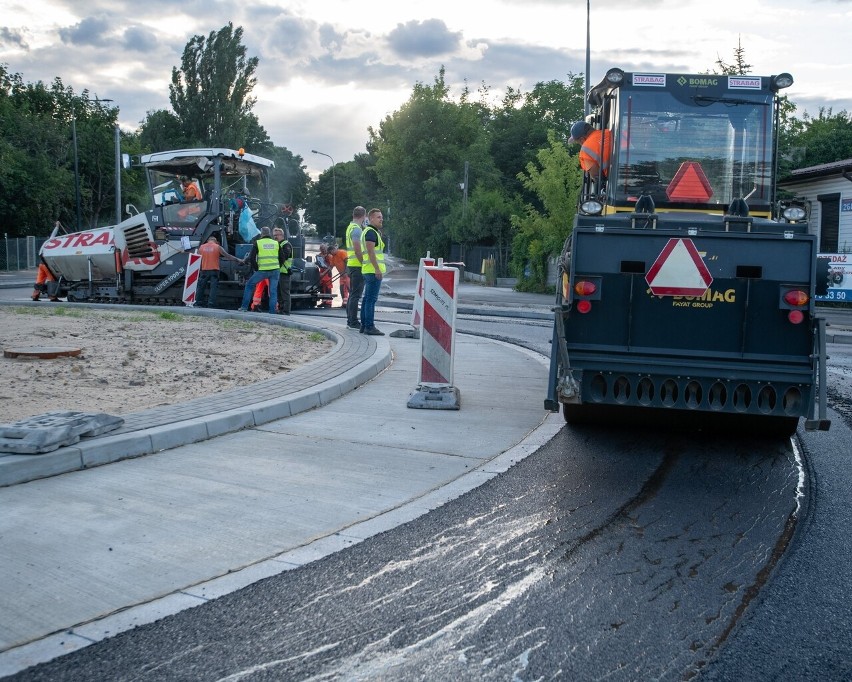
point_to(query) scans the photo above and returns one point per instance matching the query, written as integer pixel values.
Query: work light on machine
(614, 76)
(794, 213)
(781, 81)
(591, 207)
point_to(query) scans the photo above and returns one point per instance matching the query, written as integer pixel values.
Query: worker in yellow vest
(265, 257)
(284, 298)
(353, 266)
(372, 269)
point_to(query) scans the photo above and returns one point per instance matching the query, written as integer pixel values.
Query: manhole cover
(42, 352)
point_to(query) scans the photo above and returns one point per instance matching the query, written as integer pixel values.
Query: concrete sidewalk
(94, 552)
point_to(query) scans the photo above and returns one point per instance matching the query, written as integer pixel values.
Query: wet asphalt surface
(611, 553)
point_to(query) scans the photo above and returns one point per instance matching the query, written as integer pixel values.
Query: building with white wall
(827, 189)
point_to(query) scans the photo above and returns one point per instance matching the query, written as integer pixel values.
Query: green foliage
(211, 92)
(822, 139)
(289, 180)
(161, 131)
(356, 185)
(738, 67)
(37, 179)
(555, 178)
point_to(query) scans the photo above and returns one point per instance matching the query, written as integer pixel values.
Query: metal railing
(19, 253)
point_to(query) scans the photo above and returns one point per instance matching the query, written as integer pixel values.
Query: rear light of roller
(584, 287)
(796, 297)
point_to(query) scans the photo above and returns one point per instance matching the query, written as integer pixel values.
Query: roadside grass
(244, 326)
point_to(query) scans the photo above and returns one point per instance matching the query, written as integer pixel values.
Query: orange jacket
(590, 152)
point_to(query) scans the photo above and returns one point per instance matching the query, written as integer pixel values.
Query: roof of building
(823, 170)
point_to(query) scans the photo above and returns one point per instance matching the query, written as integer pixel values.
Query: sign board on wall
(839, 277)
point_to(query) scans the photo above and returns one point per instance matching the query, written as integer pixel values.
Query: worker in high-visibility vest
(373, 268)
(284, 300)
(265, 257)
(43, 276)
(595, 147)
(353, 266)
(338, 257)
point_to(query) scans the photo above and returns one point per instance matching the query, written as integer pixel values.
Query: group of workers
(360, 268)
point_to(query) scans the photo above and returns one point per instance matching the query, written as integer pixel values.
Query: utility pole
(76, 166)
(464, 190)
(117, 174)
(588, 53)
(333, 191)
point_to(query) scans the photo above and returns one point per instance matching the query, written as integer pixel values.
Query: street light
(76, 166)
(333, 191)
(117, 166)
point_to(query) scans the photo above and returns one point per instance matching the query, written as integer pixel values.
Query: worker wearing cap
(595, 147)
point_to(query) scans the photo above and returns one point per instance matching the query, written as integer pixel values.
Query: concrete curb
(204, 420)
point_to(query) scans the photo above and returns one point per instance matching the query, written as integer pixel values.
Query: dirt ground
(132, 361)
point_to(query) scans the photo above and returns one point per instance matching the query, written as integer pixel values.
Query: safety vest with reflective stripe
(367, 266)
(352, 259)
(285, 267)
(267, 254)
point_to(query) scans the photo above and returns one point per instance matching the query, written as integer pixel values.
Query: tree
(211, 92)
(420, 152)
(738, 67)
(356, 185)
(822, 139)
(519, 127)
(37, 178)
(555, 178)
(161, 130)
(289, 180)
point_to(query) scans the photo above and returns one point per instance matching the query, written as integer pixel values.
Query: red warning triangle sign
(679, 271)
(689, 184)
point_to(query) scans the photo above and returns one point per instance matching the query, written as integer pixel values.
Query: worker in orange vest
(595, 147)
(43, 276)
(337, 257)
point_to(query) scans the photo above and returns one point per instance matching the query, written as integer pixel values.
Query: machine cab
(688, 142)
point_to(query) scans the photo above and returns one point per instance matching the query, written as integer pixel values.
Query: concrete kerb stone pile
(355, 359)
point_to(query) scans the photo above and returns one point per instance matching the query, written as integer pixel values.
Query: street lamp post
(76, 167)
(117, 174)
(117, 166)
(333, 191)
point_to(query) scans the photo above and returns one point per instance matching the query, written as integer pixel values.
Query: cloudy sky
(331, 68)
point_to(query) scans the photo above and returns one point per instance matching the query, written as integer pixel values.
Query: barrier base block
(405, 334)
(435, 398)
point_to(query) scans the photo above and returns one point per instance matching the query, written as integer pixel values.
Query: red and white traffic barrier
(437, 341)
(417, 307)
(190, 283)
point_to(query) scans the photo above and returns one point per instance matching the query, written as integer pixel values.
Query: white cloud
(329, 69)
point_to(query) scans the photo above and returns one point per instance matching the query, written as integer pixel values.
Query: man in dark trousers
(353, 266)
(265, 257)
(211, 251)
(284, 300)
